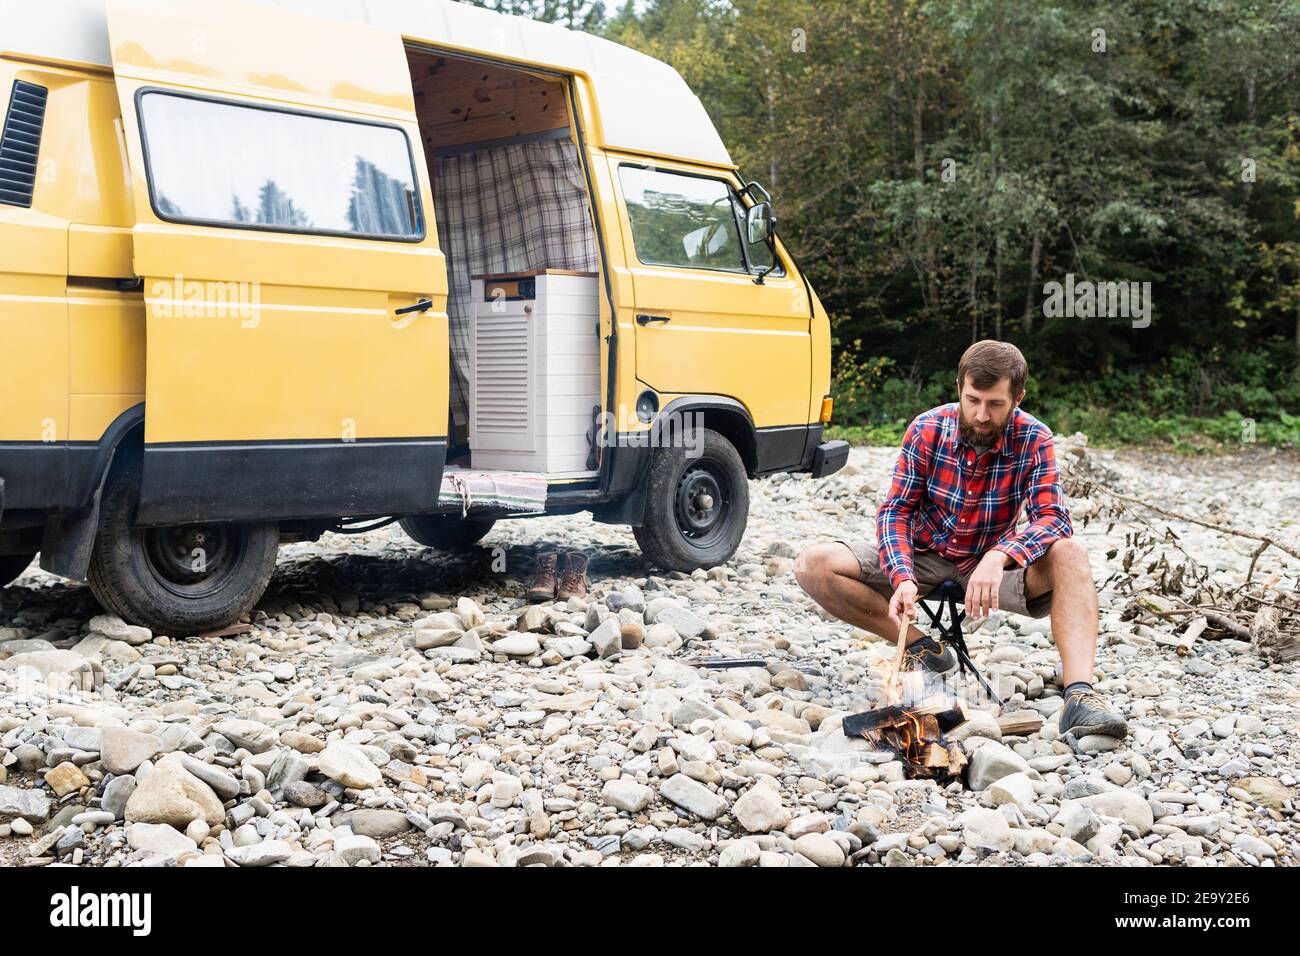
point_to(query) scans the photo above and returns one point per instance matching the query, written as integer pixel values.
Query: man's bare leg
(828, 573)
(1064, 570)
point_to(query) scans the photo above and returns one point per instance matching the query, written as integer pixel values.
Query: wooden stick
(898, 653)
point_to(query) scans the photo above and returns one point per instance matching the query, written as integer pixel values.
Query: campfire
(912, 720)
(915, 732)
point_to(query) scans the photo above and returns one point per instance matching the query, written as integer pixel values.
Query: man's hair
(988, 362)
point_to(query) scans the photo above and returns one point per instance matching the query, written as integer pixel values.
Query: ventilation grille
(501, 374)
(21, 143)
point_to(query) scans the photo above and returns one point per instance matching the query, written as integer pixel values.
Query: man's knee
(1069, 556)
(815, 563)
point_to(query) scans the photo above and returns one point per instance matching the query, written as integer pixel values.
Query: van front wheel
(177, 581)
(696, 508)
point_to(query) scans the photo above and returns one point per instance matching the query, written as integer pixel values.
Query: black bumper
(829, 457)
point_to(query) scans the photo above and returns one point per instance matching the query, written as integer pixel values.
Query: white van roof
(645, 106)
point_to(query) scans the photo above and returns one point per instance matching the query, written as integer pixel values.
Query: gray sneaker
(1086, 712)
(927, 654)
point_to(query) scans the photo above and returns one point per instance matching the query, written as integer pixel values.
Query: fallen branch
(1264, 539)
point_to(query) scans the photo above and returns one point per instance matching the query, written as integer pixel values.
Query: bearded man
(965, 472)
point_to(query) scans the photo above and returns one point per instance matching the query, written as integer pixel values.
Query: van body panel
(705, 330)
(304, 364)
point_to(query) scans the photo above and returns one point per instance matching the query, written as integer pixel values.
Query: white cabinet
(534, 372)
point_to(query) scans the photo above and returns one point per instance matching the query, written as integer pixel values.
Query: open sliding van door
(284, 233)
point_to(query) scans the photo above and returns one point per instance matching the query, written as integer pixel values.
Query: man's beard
(977, 436)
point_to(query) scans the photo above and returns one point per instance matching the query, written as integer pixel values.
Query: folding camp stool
(947, 596)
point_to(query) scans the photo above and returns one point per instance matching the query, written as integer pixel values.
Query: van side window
(223, 164)
(681, 220)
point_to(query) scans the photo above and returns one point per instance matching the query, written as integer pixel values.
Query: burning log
(915, 733)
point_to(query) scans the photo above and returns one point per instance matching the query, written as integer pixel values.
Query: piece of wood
(899, 649)
(1269, 640)
(947, 711)
(1187, 640)
(1020, 723)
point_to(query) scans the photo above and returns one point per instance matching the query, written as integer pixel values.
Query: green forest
(936, 166)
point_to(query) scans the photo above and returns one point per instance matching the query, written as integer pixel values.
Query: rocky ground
(394, 706)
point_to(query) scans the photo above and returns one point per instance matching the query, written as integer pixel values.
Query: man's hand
(903, 603)
(982, 588)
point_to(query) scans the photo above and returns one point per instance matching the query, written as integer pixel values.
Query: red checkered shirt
(947, 498)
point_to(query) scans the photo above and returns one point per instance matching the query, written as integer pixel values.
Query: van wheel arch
(69, 538)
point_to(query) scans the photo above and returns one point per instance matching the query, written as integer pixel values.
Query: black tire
(678, 532)
(12, 565)
(446, 532)
(147, 575)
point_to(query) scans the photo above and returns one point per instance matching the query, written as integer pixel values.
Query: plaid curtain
(506, 209)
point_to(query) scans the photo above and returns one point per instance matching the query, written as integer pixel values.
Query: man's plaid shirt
(948, 499)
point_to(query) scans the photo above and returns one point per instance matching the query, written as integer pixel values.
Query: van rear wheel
(696, 508)
(178, 581)
(12, 565)
(446, 532)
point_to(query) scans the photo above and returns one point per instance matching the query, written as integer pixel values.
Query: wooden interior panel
(462, 101)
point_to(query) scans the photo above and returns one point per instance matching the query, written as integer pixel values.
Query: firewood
(1269, 640)
(948, 711)
(1020, 723)
(1188, 638)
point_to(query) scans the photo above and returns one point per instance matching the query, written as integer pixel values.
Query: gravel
(392, 706)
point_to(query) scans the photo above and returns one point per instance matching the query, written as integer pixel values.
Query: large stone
(116, 795)
(159, 838)
(684, 621)
(222, 781)
(759, 810)
(984, 828)
(991, 762)
(30, 805)
(1078, 822)
(66, 778)
(122, 750)
(349, 765)
(607, 639)
(1266, 791)
(517, 645)
(115, 629)
(821, 849)
(1124, 805)
(254, 737)
(780, 720)
(170, 794)
(289, 767)
(978, 723)
(354, 847)
(1014, 788)
(693, 797)
(378, 824)
(627, 795)
(260, 854)
(82, 672)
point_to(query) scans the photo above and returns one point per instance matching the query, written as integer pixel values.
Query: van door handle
(423, 306)
(647, 319)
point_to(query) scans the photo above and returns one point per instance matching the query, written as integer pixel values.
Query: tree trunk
(1027, 321)
(927, 251)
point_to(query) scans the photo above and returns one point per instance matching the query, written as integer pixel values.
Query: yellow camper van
(270, 269)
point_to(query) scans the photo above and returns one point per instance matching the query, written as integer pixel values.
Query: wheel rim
(702, 503)
(194, 561)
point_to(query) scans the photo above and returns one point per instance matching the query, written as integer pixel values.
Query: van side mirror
(760, 223)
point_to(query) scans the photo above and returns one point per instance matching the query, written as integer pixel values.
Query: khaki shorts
(932, 570)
